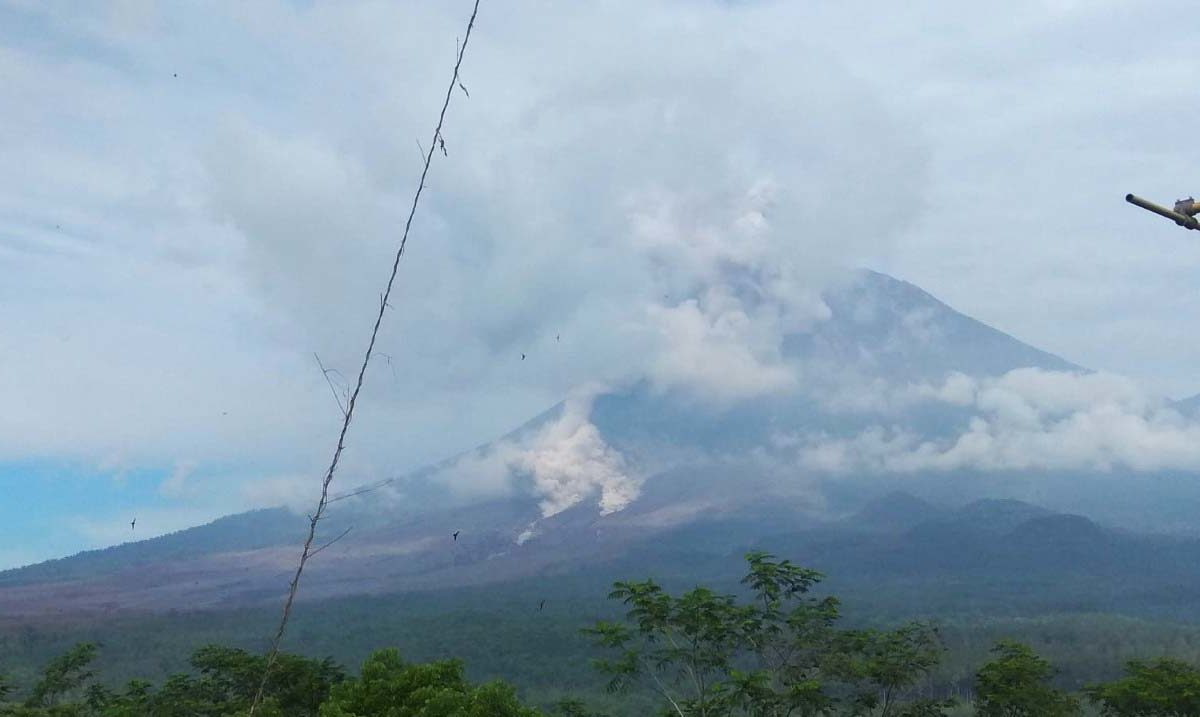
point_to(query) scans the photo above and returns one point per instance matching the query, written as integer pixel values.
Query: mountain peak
(895, 330)
(895, 511)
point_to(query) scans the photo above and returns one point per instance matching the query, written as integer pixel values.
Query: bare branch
(662, 689)
(322, 504)
(326, 545)
(325, 372)
(363, 489)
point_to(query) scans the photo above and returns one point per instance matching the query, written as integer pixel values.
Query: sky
(196, 202)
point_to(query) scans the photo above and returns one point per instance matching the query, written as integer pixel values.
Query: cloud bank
(1025, 420)
(612, 207)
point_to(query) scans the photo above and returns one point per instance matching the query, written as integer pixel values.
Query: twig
(325, 372)
(388, 358)
(363, 489)
(326, 545)
(306, 552)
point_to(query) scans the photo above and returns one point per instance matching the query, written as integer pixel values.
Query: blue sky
(194, 200)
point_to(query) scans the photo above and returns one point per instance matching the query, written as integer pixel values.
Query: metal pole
(1181, 219)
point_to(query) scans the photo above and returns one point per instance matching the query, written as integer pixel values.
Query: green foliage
(226, 681)
(767, 648)
(778, 653)
(573, 707)
(1017, 684)
(887, 664)
(62, 675)
(1159, 688)
(389, 687)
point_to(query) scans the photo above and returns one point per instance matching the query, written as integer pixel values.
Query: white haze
(1025, 420)
(612, 206)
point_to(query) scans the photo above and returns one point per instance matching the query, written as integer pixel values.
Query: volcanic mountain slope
(1190, 405)
(1001, 553)
(663, 473)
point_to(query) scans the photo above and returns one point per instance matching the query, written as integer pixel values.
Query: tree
(888, 664)
(390, 687)
(1164, 687)
(297, 685)
(1016, 684)
(777, 654)
(63, 674)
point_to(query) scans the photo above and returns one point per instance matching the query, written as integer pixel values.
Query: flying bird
(557, 337)
(456, 536)
(522, 357)
(133, 524)
(541, 605)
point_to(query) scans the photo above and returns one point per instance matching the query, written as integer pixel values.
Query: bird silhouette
(456, 536)
(557, 337)
(522, 357)
(133, 524)
(541, 605)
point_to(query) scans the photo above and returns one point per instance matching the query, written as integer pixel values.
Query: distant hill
(243, 531)
(895, 512)
(992, 516)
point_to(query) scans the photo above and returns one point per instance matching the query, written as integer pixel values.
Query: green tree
(778, 654)
(223, 687)
(1017, 684)
(1164, 687)
(62, 675)
(390, 687)
(886, 665)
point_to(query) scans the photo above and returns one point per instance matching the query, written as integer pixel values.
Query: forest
(775, 646)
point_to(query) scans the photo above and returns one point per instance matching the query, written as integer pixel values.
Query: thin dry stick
(363, 489)
(325, 372)
(326, 545)
(307, 552)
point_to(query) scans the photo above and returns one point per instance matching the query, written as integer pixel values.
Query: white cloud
(190, 221)
(1028, 419)
(176, 485)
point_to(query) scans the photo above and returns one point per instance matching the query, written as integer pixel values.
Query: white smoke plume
(566, 462)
